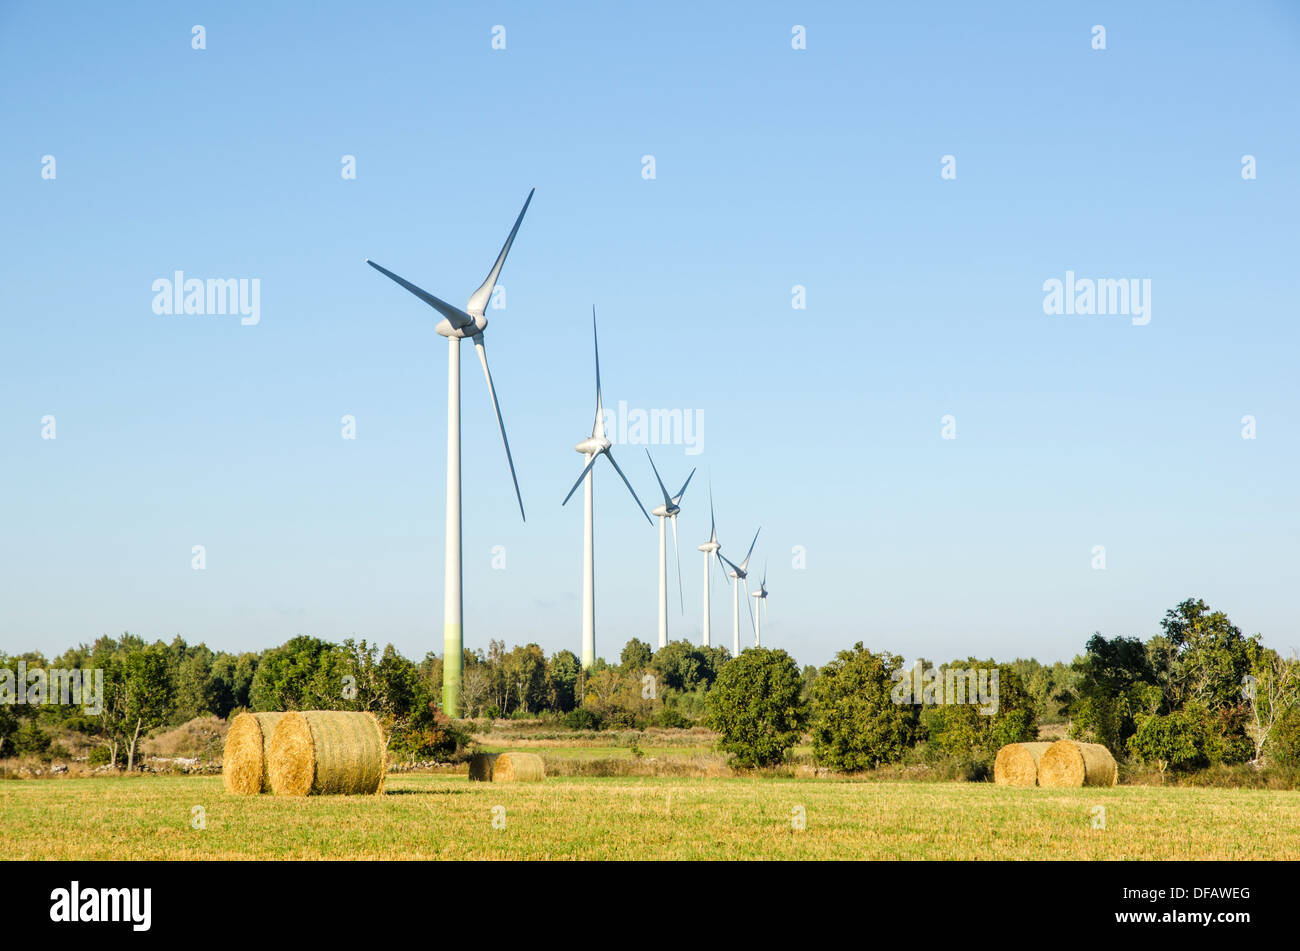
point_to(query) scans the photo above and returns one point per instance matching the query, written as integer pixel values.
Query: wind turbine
(710, 549)
(669, 510)
(740, 573)
(593, 447)
(761, 594)
(456, 325)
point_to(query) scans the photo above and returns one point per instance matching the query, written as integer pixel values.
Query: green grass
(429, 816)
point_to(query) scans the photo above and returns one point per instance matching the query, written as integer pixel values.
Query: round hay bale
(480, 767)
(1017, 764)
(1069, 763)
(248, 753)
(324, 752)
(518, 768)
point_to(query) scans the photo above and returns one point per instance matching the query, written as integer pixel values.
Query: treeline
(1198, 694)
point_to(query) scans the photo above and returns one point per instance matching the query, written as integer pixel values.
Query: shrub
(99, 756)
(670, 719)
(755, 705)
(583, 719)
(855, 723)
(31, 740)
(1174, 740)
(443, 740)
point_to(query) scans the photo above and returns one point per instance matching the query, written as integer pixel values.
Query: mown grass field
(424, 816)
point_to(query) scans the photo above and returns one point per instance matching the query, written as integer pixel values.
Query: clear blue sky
(774, 167)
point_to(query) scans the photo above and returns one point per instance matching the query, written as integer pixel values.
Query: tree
(1273, 691)
(524, 669)
(147, 697)
(562, 672)
(856, 724)
(755, 706)
(972, 734)
(683, 666)
(304, 674)
(1167, 740)
(1115, 683)
(616, 697)
(635, 656)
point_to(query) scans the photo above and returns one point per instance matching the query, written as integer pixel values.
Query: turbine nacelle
(592, 445)
(446, 328)
(709, 546)
(663, 511)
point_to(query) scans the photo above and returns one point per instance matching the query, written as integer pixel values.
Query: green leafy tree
(856, 724)
(683, 666)
(635, 656)
(304, 674)
(1115, 683)
(562, 672)
(146, 696)
(1171, 740)
(755, 707)
(972, 733)
(524, 669)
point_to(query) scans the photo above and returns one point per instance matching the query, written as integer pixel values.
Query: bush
(856, 725)
(755, 705)
(1175, 740)
(31, 740)
(583, 719)
(444, 740)
(670, 719)
(99, 756)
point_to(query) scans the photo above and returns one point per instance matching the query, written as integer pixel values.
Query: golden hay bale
(248, 753)
(518, 768)
(319, 752)
(480, 767)
(1017, 764)
(1068, 763)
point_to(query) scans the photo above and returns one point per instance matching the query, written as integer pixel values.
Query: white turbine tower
(739, 572)
(593, 447)
(761, 594)
(669, 510)
(710, 549)
(456, 325)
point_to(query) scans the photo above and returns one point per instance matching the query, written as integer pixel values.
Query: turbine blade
(749, 604)
(745, 563)
(587, 468)
(729, 562)
(680, 596)
(667, 500)
(610, 456)
(598, 428)
(457, 316)
(713, 522)
(718, 564)
(678, 497)
(492, 391)
(479, 299)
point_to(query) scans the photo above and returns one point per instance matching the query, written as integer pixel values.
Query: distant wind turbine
(593, 447)
(710, 549)
(669, 510)
(456, 325)
(761, 594)
(739, 572)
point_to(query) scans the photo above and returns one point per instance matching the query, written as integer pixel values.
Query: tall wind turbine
(761, 594)
(669, 510)
(739, 572)
(593, 447)
(456, 325)
(710, 549)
